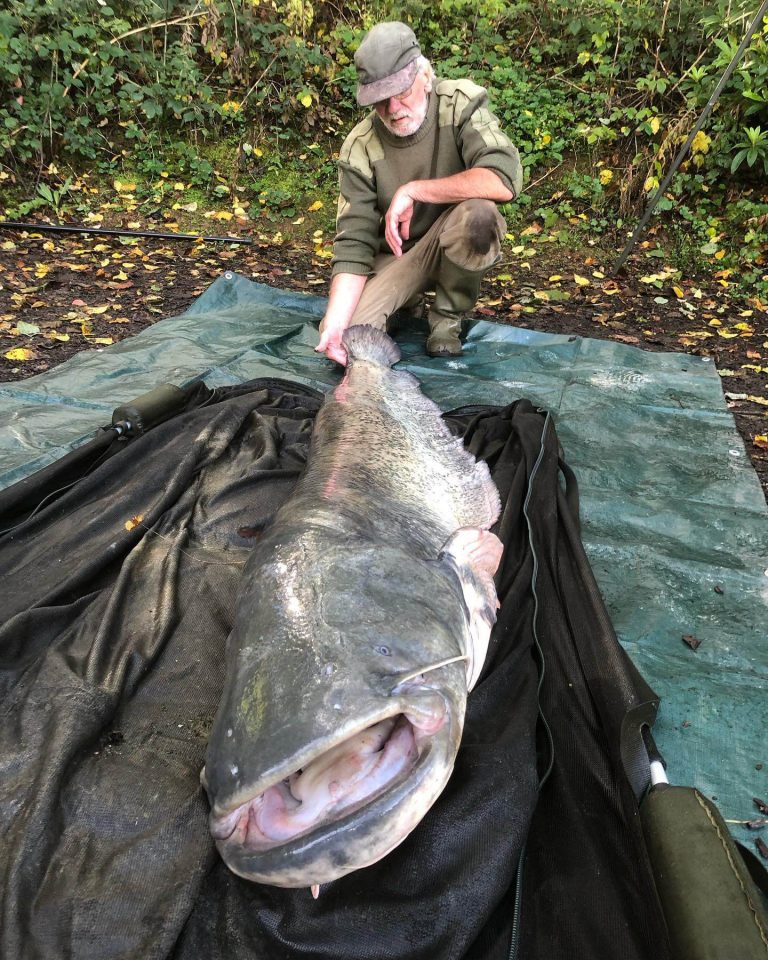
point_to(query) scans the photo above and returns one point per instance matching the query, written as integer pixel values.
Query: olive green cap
(386, 62)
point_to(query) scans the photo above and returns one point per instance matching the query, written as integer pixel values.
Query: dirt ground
(60, 294)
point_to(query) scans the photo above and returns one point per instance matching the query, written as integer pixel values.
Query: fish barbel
(362, 621)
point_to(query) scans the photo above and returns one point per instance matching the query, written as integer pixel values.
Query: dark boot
(443, 339)
(456, 293)
(470, 244)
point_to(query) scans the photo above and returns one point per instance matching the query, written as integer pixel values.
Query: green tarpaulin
(673, 516)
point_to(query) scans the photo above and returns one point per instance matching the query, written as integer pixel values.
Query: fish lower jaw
(335, 784)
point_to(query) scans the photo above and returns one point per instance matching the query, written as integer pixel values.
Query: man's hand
(330, 342)
(343, 298)
(397, 221)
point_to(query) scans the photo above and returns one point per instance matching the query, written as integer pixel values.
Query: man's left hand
(397, 222)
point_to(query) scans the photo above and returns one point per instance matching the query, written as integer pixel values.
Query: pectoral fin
(476, 555)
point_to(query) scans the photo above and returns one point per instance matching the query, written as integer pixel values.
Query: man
(419, 181)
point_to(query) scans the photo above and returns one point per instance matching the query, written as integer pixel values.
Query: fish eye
(383, 650)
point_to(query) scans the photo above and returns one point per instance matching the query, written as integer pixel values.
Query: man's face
(405, 113)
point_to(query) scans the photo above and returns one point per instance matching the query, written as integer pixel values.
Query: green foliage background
(604, 91)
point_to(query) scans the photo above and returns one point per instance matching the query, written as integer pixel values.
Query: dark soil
(69, 292)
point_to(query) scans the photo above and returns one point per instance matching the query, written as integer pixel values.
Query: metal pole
(685, 147)
(106, 232)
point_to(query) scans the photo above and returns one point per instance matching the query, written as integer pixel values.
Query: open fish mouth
(337, 783)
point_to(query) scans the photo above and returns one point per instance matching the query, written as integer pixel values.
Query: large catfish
(362, 621)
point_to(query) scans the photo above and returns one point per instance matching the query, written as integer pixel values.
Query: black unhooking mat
(117, 597)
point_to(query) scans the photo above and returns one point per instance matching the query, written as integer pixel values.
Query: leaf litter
(117, 286)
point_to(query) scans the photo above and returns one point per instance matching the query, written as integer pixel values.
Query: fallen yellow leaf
(20, 353)
(123, 187)
(55, 335)
(133, 522)
(761, 440)
(555, 277)
(720, 254)
(581, 281)
(105, 340)
(317, 205)
(678, 292)
(94, 311)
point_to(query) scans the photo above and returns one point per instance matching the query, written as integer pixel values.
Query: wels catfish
(363, 619)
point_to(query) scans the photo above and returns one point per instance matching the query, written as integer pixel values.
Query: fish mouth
(328, 817)
(334, 784)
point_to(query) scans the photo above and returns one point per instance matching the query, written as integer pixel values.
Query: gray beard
(414, 123)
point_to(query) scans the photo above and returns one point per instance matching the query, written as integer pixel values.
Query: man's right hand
(330, 343)
(343, 298)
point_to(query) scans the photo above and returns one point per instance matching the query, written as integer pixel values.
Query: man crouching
(419, 180)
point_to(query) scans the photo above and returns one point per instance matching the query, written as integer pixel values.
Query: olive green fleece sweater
(459, 132)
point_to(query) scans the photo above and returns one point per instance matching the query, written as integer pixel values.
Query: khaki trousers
(451, 258)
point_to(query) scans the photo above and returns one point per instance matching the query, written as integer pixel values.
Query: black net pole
(107, 232)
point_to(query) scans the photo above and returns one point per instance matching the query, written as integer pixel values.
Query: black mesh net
(119, 569)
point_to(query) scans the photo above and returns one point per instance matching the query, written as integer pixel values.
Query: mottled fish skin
(346, 598)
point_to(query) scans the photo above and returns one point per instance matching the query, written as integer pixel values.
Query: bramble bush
(607, 90)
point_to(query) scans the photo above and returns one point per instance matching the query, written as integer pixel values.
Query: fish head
(342, 715)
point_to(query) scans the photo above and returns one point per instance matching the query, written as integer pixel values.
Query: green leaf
(28, 329)
(738, 160)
